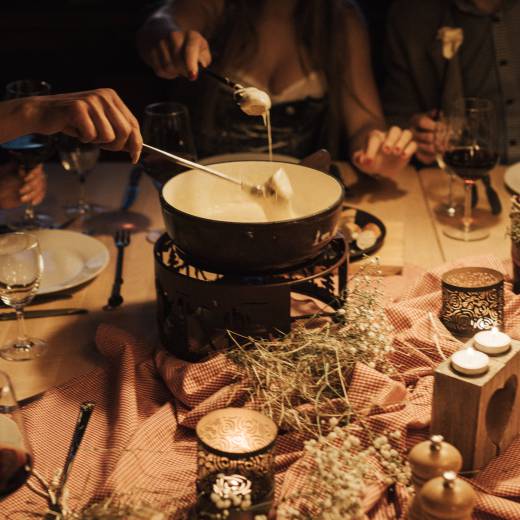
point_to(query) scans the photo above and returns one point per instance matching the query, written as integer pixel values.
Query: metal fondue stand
(196, 307)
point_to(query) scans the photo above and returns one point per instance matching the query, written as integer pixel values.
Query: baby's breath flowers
(338, 469)
(301, 380)
(397, 469)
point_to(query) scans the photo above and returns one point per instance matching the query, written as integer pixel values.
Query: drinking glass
(15, 452)
(470, 150)
(167, 126)
(448, 208)
(21, 267)
(29, 150)
(80, 159)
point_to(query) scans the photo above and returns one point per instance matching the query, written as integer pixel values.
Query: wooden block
(479, 415)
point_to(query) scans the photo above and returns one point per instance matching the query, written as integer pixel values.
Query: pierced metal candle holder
(235, 464)
(472, 300)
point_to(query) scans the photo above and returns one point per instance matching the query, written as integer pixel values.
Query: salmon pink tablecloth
(140, 443)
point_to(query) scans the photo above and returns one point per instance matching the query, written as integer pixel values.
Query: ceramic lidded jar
(447, 498)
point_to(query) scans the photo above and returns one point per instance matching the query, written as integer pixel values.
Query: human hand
(97, 116)
(34, 185)
(17, 186)
(423, 129)
(172, 52)
(385, 152)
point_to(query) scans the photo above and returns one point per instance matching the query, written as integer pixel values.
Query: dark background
(86, 44)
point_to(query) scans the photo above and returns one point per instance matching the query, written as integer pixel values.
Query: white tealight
(470, 362)
(492, 341)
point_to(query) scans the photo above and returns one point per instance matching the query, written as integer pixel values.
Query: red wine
(471, 163)
(30, 150)
(15, 468)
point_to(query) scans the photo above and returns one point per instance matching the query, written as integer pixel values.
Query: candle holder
(472, 300)
(235, 478)
(478, 414)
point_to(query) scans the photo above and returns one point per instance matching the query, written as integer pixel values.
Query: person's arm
(97, 116)
(173, 41)
(372, 148)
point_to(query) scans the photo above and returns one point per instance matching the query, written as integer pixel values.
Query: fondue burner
(196, 307)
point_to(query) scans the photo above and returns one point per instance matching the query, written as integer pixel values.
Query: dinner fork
(121, 239)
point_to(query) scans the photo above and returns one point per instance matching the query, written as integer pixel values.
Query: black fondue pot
(222, 228)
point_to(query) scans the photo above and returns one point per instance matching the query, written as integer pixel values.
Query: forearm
(187, 15)
(15, 119)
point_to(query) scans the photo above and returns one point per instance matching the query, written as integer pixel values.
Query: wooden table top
(405, 204)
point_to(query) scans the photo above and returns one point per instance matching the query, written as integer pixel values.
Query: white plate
(69, 259)
(512, 178)
(248, 156)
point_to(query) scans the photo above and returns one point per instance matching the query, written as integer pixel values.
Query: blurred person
(97, 116)
(311, 56)
(486, 66)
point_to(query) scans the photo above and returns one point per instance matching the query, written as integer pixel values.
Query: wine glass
(448, 208)
(15, 453)
(21, 265)
(167, 126)
(80, 159)
(29, 150)
(470, 150)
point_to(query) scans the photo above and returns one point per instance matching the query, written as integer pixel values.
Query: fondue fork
(262, 190)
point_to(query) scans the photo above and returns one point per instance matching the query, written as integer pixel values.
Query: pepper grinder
(447, 498)
(430, 459)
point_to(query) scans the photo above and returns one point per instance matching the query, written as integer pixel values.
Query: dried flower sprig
(338, 470)
(301, 380)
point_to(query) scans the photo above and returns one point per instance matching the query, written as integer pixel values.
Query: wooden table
(405, 203)
(71, 339)
(411, 199)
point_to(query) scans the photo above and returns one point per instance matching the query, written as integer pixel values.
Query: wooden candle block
(479, 415)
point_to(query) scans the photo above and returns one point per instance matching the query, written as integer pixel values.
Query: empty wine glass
(448, 208)
(29, 150)
(167, 126)
(15, 452)
(21, 266)
(80, 159)
(470, 150)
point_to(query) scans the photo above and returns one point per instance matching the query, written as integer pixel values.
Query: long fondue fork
(258, 189)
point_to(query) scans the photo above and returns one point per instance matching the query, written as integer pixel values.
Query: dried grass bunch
(301, 380)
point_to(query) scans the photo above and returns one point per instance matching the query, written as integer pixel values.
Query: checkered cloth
(140, 443)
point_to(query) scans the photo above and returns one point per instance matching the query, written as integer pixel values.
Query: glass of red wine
(29, 150)
(470, 150)
(167, 126)
(15, 452)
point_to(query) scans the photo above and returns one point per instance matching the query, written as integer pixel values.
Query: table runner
(140, 443)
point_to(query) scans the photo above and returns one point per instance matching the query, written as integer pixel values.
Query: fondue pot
(222, 228)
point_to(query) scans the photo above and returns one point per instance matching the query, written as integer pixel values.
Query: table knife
(44, 313)
(39, 299)
(132, 187)
(492, 195)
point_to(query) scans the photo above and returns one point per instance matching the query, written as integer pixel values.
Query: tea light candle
(470, 362)
(492, 341)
